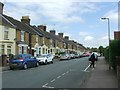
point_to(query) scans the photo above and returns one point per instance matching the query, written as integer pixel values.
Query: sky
(78, 19)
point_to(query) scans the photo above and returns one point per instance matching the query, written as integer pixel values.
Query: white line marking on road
(59, 77)
(63, 73)
(67, 72)
(84, 71)
(48, 87)
(52, 80)
(87, 67)
(45, 84)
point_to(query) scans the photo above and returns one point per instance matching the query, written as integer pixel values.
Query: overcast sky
(76, 18)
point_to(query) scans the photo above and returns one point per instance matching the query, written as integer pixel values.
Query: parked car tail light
(21, 59)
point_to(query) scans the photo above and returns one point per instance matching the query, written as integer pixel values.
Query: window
(2, 51)
(22, 35)
(20, 50)
(36, 38)
(6, 33)
(39, 50)
(51, 42)
(43, 40)
(8, 49)
(25, 50)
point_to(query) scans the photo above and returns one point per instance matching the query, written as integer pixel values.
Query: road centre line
(67, 72)
(47, 87)
(63, 73)
(87, 67)
(52, 80)
(58, 77)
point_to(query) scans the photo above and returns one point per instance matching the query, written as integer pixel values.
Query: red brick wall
(117, 35)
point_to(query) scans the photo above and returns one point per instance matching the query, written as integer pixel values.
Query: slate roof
(5, 22)
(19, 25)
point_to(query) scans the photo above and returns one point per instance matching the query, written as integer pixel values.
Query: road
(61, 74)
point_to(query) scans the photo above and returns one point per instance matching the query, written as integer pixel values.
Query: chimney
(117, 35)
(52, 32)
(1, 8)
(60, 35)
(42, 27)
(25, 19)
(66, 37)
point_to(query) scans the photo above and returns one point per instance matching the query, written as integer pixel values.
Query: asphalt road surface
(62, 74)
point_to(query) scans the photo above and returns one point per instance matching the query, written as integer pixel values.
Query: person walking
(92, 60)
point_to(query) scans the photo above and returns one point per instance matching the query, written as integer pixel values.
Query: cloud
(88, 38)
(60, 11)
(113, 15)
(61, 0)
(83, 33)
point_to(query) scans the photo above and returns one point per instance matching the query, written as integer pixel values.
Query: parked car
(85, 54)
(72, 56)
(65, 57)
(45, 58)
(23, 61)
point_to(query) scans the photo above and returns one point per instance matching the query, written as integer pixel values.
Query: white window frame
(9, 48)
(36, 38)
(22, 35)
(25, 49)
(20, 49)
(6, 29)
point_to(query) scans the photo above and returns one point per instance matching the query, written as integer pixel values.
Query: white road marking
(48, 87)
(63, 73)
(59, 77)
(52, 80)
(45, 84)
(67, 72)
(87, 67)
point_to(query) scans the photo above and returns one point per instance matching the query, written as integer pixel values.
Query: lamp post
(108, 38)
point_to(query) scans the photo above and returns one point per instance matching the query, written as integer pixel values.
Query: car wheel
(45, 62)
(11, 68)
(25, 66)
(37, 64)
(52, 61)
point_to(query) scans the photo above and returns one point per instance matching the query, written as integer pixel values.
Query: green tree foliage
(101, 50)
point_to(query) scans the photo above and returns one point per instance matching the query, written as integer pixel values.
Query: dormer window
(6, 33)
(22, 35)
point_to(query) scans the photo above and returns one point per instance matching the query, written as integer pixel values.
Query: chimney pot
(60, 35)
(52, 32)
(1, 8)
(42, 27)
(25, 19)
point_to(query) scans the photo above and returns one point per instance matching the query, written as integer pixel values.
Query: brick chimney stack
(42, 27)
(1, 8)
(52, 32)
(66, 37)
(60, 35)
(25, 19)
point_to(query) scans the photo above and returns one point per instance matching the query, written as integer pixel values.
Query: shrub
(114, 51)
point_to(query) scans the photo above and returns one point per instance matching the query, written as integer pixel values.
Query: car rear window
(16, 57)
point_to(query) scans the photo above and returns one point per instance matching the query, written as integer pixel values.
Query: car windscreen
(42, 56)
(16, 57)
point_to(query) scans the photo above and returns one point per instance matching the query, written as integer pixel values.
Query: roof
(5, 22)
(19, 25)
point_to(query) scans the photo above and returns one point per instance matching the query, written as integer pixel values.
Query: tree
(101, 50)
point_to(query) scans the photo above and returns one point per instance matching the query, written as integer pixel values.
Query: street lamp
(108, 38)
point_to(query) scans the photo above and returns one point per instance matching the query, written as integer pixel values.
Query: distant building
(117, 35)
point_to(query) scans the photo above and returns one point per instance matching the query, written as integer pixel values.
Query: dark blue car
(23, 61)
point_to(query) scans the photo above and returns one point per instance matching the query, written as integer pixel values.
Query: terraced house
(20, 37)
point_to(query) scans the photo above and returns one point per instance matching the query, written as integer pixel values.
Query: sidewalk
(102, 77)
(5, 68)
